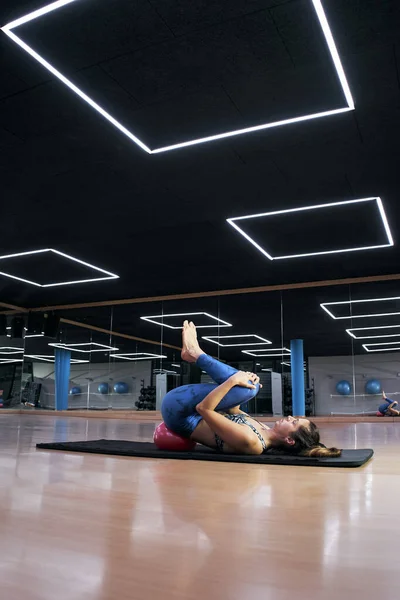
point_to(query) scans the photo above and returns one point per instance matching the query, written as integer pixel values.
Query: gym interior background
(156, 224)
(113, 221)
(124, 357)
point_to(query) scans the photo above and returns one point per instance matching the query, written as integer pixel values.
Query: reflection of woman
(210, 414)
(386, 408)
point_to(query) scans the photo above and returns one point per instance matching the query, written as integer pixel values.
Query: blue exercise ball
(102, 388)
(121, 387)
(74, 391)
(373, 386)
(343, 387)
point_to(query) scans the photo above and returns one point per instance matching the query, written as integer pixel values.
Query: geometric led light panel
(236, 340)
(348, 103)
(11, 350)
(250, 228)
(13, 266)
(160, 320)
(75, 348)
(7, 361)
(138, 356)
(383, 331)
(265, 352)
(363, 309)
(50, 358)
(382, 347)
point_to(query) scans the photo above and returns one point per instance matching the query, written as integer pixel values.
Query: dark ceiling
(172, 71)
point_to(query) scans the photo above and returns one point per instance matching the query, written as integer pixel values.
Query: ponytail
(321, 451)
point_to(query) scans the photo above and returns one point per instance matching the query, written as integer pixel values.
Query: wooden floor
(89, 527)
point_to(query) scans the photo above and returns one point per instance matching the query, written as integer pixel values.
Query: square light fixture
(10, 28)
(331, 205)
(215, 340)
(11, 350)
(166, 371)
(267, 352)
(366, 336)
(74, 347)
(34, 335)
(8, 361)
(219, 322)
(138, 356)
(107, 274)
(364, 315)
(51, 359)
(387, 347)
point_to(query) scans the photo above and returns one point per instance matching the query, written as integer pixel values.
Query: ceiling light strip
(60, 3)
(232, 222)
(220, 322)
(334, 52)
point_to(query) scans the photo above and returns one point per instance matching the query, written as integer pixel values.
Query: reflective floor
(90, 527)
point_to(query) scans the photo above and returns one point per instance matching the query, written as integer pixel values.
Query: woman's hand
(245, 379)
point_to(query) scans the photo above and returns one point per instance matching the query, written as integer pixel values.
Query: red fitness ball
(165, 439)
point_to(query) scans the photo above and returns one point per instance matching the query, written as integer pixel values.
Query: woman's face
(285, 427)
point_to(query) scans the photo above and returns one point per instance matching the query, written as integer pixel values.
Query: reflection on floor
(89, 527)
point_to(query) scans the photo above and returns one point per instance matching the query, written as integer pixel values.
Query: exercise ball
(74, 391)
(373, 386)
(121, 387)
(165, 439)
(102, 388)
(343, 387)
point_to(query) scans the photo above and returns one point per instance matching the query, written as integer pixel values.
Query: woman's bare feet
(190, 346)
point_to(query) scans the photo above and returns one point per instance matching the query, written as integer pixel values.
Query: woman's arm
(240, 438)
(392, 403)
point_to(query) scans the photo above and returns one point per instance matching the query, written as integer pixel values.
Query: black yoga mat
(349, 458)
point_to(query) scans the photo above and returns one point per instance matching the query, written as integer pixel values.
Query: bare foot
(190, 346)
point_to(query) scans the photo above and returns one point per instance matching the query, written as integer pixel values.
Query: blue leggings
(385, 405)
(178, 407)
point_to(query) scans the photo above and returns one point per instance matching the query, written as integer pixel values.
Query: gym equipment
(3, 325)
(147, 398)
(30, 395)
(373, 386)
(343, 387)
(165, 439)
(74, 391)
(103, 388)
(51, 323)
(17, 327)
(121, 387)
(349, 458)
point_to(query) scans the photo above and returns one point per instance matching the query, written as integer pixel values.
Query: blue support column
(297, 368)
(62, 371)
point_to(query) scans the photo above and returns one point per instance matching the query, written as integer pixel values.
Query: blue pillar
(62, 371)
(297, 368)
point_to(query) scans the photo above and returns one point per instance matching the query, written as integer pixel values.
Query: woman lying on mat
(387, 407)
(210, 414)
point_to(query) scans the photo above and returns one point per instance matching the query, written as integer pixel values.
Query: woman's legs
(219, 371)
(179, 406)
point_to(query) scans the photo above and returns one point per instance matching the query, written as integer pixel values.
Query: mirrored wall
(126, 357)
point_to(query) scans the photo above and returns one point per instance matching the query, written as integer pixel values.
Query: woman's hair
(306, 443)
